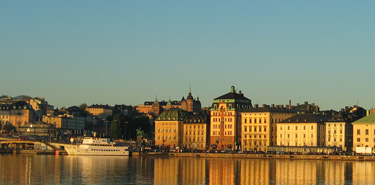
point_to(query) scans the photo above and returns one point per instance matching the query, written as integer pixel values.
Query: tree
(117, 127)
(82, 110)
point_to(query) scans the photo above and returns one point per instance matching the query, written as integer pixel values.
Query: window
(366, 139)
(358, 139)
(366, 131)
(304, 127)
(245, 120)
(288, 128)
(296, 127)
(358, 132)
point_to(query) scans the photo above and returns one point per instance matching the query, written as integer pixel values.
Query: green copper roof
(370, 119)
(173, 114)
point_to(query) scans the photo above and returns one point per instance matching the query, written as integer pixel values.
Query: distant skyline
(128, 52)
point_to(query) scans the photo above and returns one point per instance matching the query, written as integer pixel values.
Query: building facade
(364, 132)
(169, 127)
(338, 134)
(259, 128)
(302, 130)
(225, 124)
(157, 107)
(196, 131)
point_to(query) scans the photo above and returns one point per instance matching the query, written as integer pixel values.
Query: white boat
(98, 147)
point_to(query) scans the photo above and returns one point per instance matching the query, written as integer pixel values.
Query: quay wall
(263, 156)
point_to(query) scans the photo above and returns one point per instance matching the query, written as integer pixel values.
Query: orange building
(225, 126)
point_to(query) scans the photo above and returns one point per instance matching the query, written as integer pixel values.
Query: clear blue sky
(128, 52)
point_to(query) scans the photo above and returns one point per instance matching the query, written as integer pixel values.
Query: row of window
(296, 127)
(255, 120)
(334, 132)
(366, 139)
(366, 132)
(254, 136)
(195, 126)
(167, 123)
(334, 139)
(189, 139)
(167, 138)
(226, 133)
(255, 143)
(106, 150)
(167, 130)
(255, 128)
(304, 136)
(225, 113)
(226, 126)
(225, 119)
(193, 132)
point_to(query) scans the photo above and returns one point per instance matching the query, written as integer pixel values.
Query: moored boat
(98, 147)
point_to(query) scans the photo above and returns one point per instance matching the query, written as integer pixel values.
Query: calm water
(47, 169)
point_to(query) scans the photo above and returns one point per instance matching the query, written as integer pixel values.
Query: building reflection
(256, 171)
(179, 171)
(221, 171)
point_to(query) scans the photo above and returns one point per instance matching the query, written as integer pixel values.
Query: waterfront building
(100, 111)
(302, 130)
(339, 134)
(364, 132)
(225, 125)
(196, 131)
(259, 128)
(168, 127)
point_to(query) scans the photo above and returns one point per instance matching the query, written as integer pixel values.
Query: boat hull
(97, 151)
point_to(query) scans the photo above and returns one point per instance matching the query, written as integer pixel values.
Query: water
(47, 169)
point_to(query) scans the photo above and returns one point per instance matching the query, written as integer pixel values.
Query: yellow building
(336, 132)
(302, 130)
(196, 131)
(168, 127)
(364, 132)
(259, 126)
(100, 111)
(225, 126)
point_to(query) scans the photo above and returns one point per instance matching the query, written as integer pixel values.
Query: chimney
(256, 105)
(306, 102)
(240, 92)
(273, 105)
(290, 104)
(264, 106)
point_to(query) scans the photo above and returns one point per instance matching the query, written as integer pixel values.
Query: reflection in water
(39, 169)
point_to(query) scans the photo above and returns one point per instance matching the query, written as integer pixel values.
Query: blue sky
(128, 52)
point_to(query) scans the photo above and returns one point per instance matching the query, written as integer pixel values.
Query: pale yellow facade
(168, 133)
(195, 136)
(259, 129)
(363, 135)
(300, 134)
(335, 134)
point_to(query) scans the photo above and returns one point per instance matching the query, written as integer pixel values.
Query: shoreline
(258, 156)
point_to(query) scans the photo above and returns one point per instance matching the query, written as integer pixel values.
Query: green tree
(82, 109)
(116, 127)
